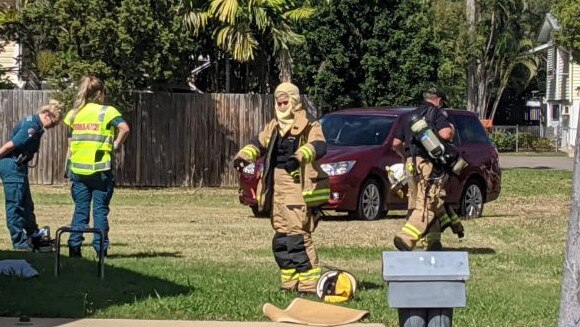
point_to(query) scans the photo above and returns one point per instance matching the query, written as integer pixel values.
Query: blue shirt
(26, 136)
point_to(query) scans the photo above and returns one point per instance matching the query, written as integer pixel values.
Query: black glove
(291, 166)
(240, 164)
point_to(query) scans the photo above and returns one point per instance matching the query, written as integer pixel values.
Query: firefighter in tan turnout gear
(420, 141)
(292, 186)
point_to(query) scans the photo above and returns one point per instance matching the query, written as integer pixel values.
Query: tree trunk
(228, 72)
(472, 100)
(482, 78)
(503, 84)
(570, 298)
(285, 66)
(268, 78)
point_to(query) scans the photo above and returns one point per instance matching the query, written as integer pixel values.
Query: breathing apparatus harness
(444, 156)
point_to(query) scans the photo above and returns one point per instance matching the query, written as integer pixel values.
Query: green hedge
(506, 142)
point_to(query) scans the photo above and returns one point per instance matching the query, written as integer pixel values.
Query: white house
(9, 63)
(562, 99)
(11, 52)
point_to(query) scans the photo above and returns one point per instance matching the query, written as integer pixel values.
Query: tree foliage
(240, 27)
(382, 53)
(504, 32)
(131, 44)
(567, 12)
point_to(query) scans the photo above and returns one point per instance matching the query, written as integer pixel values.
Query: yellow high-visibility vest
(91, 140)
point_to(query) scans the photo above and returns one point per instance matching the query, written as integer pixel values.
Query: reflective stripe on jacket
(312, 147)
(92, 138)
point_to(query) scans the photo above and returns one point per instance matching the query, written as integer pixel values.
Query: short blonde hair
(53, 108)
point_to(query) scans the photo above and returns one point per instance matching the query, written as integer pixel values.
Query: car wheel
(370, 202)
(259, 214)
(471, 205)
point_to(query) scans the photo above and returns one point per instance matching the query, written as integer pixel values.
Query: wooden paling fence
(177, 139)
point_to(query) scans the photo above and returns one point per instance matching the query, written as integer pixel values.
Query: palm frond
(277, 5)
(299, 14)
(196, 20)
(224, 10)
(261, 19)
(239, 43)
(8, 15)
(244, 46)
(282, 38)
(532, 64)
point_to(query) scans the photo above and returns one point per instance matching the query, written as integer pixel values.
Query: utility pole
(570, 298)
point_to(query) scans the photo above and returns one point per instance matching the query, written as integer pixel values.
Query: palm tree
(240, 27)
(500, 45)
(519, 55)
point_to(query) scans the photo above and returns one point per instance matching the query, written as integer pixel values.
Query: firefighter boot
(434, 241)
(457, 229)
(401, 245)
(445, 221)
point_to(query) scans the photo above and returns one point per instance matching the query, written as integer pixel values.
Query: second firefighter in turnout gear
(427, 171)
(448, 217)
(292, 186)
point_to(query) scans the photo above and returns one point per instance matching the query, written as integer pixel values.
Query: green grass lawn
(198, 254)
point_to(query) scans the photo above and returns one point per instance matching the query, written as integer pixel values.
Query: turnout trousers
(292, 244)
(426, 204)
(20, 217)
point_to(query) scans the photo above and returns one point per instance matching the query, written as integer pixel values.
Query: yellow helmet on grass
(336, 286)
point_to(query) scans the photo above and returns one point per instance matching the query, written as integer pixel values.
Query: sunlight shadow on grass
(77, 291)
(364, 285)
(472, 250)
(141, 255)
(495, 216)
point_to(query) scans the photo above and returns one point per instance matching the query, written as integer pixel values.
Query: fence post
(517, 137)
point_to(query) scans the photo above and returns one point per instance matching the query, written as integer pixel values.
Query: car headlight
(250, 169)
(338, 168)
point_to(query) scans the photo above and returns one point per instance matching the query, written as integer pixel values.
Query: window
(349, 130)
(555, 112)
(470, 130)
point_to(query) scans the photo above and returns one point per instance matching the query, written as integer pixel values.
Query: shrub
(525, 141)
(504, 142)
(542, 144)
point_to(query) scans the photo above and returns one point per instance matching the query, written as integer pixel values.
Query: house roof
(550, 24)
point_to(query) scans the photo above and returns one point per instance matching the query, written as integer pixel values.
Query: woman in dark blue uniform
(14, 157)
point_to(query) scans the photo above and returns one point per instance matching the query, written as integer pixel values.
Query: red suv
(359, 147)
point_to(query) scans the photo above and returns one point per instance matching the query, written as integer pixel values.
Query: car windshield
(349, 130)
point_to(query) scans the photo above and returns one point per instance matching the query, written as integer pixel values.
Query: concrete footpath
(512, 161)
(53, 322)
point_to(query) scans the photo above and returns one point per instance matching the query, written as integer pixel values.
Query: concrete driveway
(560, 163)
